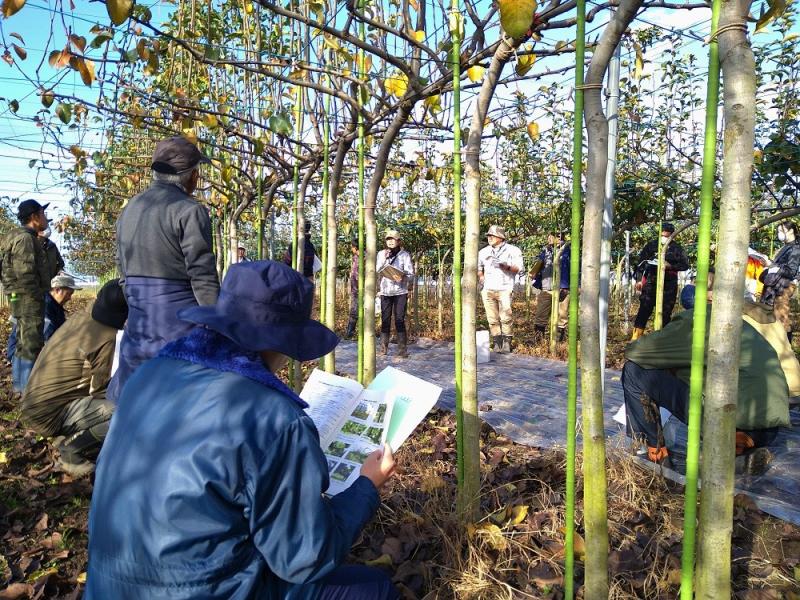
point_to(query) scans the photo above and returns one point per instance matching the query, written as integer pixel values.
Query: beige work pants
(498, 311)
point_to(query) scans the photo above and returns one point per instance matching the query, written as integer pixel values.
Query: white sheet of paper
(329, 398)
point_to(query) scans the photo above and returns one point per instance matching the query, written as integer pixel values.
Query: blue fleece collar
(209, 349)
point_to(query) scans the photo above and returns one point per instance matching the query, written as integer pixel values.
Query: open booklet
(391, 272)
(353, 421)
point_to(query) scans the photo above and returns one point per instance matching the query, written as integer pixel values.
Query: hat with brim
(176, 155)
(496, 231)
(266, 305)
(64, 281)
(27, 208)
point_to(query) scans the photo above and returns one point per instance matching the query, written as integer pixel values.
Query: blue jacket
(210, 482)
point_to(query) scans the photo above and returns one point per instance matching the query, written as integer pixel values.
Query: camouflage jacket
(24, 263)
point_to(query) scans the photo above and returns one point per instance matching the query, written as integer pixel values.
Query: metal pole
(612, 114)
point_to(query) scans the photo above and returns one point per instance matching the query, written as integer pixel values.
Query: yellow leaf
(419, 36)
(516, 17)
(384, 560)
(396, 85)
(433, 103)
(639, 64)
(86, 69)
(776, 8)
(330, 41)
(210, 121)
(119, 10)
(533, 130)
(518, 514)
(3, 458)
(524, 64)
(475, 73)
(81, 578)
(488, 533)
(11, 7)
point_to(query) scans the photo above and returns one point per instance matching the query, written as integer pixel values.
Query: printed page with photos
(362, 433)
(351, 422)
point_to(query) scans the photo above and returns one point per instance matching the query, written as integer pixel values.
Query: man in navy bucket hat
(210, 482)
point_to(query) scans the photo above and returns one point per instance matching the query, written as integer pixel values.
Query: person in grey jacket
(164, 256)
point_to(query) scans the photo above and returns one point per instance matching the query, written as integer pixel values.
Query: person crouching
(66, 394)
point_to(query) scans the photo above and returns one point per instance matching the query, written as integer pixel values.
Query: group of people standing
(207, 456)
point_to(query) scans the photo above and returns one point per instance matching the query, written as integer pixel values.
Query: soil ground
(515, 551)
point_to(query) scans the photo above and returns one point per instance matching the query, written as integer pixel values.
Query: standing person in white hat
(498, 265)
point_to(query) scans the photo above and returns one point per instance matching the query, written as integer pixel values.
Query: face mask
(46, 233)
(782, 236)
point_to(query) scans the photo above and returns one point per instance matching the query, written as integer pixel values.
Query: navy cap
(266, 305)
(27, 208)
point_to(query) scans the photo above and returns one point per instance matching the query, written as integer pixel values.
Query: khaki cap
(392, 233)
(497, 231)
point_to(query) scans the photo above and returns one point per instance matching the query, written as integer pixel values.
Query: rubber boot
(539, 333)
(384, 343)
(76, 450)
(402, 345)
(562, 334)
(20, 372)
(637, 333)
(507, 344)
(498, 344)
(351, 329)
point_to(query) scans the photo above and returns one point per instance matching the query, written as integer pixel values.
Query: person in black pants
(647, 273)
(395, 271)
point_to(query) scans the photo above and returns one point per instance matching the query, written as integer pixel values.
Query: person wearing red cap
(26, 280)
(164, 256)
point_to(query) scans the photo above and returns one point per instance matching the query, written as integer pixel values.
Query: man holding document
(211, 479)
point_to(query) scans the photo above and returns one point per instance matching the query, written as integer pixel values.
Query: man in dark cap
(66, 395)
(26, 280)
(647, 274)
(164, 256)
(210, 483)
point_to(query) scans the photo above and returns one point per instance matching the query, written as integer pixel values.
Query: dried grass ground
(516, 551)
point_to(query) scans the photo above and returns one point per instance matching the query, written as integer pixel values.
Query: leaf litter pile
(515, 551)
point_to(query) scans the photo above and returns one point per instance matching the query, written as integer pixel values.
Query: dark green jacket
(54, 261)
(24, 263)
(763, 399)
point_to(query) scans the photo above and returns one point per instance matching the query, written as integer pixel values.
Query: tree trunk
(371, 255)
(345, 142)
(594, 451)
(719, 418)
(468, 494)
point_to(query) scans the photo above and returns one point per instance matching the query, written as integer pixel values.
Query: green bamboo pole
(555, 290)
(574, 275)
(361, 215)
(327, 360)
(658, 319)
(456, 24)
(700, 312)
(260, 213)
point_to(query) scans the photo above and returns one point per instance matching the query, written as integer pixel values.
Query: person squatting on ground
(544, 301)
(210, 482)
(164, 256)
(498, 265)
(780, 277)
(66, 395)
(656, 375)
(647, 272)
(26, 280)
(353, 281)
(393, 292)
